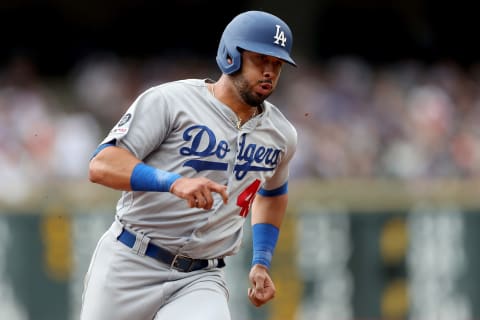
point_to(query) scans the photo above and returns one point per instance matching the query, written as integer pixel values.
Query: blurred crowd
(407, 120)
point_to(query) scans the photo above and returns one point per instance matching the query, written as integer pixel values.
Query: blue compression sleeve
(265, 238)
(148, 178)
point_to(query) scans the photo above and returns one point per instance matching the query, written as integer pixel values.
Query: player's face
(258, 77)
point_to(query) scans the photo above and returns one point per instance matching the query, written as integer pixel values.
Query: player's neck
(243, 111)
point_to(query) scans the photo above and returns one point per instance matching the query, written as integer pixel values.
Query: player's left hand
(263, 289)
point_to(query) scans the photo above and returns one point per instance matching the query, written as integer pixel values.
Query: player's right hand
(262, 288)
(198, 191)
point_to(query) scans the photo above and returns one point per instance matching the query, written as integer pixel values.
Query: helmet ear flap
(228, 58)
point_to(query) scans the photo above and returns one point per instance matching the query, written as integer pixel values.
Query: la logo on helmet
(280, 36)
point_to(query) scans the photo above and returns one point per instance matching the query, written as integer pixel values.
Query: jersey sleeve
(280, 179)
(144, 125)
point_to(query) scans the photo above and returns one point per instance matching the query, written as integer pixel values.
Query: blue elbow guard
(148, 178)
(265, 238)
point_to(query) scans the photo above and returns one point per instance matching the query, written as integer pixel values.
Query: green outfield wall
(347, 250)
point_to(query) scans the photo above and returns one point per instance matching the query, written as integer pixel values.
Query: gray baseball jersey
(180, 127)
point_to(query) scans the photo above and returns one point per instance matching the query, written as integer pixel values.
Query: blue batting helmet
(255, 31)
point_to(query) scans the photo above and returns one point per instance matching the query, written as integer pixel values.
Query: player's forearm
(112, 167)
(269, 209)
(267, 216)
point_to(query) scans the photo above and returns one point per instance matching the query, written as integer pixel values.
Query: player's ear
(229, 58)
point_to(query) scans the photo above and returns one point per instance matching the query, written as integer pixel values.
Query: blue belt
(178, 262)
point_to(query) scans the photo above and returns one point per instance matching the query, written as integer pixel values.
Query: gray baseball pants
(121, 284)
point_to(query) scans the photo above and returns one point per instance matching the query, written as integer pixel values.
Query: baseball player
(193, 158)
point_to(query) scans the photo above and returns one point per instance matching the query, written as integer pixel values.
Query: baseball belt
(175, 261)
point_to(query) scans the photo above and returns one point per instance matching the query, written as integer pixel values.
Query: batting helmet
(255, 31)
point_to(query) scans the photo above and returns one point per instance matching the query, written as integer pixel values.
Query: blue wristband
(148, 178)
(265, 238)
